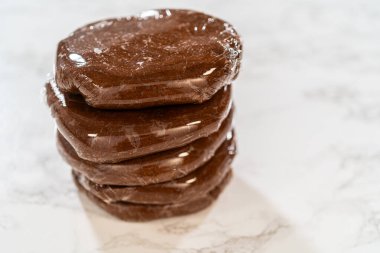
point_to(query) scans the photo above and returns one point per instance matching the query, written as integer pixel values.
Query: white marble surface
(308, 119)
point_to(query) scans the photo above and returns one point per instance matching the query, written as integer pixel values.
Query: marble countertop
(307, 178)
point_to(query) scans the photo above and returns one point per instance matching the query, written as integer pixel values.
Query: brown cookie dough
(183, 189)
(159, 57)
(150, 169)
(105, 136)
(140, 212)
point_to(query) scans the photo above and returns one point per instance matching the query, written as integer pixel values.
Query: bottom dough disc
(143, 212)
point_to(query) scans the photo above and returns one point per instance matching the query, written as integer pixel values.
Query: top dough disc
(159, 57)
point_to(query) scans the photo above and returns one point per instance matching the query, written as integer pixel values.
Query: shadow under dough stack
(144, 111)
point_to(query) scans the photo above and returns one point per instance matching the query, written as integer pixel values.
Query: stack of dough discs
(144, 111)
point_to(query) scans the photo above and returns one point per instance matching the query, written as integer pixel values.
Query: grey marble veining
(307, 120)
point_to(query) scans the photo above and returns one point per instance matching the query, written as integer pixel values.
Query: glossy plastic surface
(150, 169)
(159, 57)
(113, 136)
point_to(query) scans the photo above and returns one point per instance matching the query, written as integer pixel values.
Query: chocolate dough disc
(140, 212)
(160, 57)
(150, 169)
(183, 189)
(105, 136)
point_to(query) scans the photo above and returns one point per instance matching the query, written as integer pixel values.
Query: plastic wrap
(156, 58)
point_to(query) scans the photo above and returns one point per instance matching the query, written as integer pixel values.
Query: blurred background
(307, 121)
